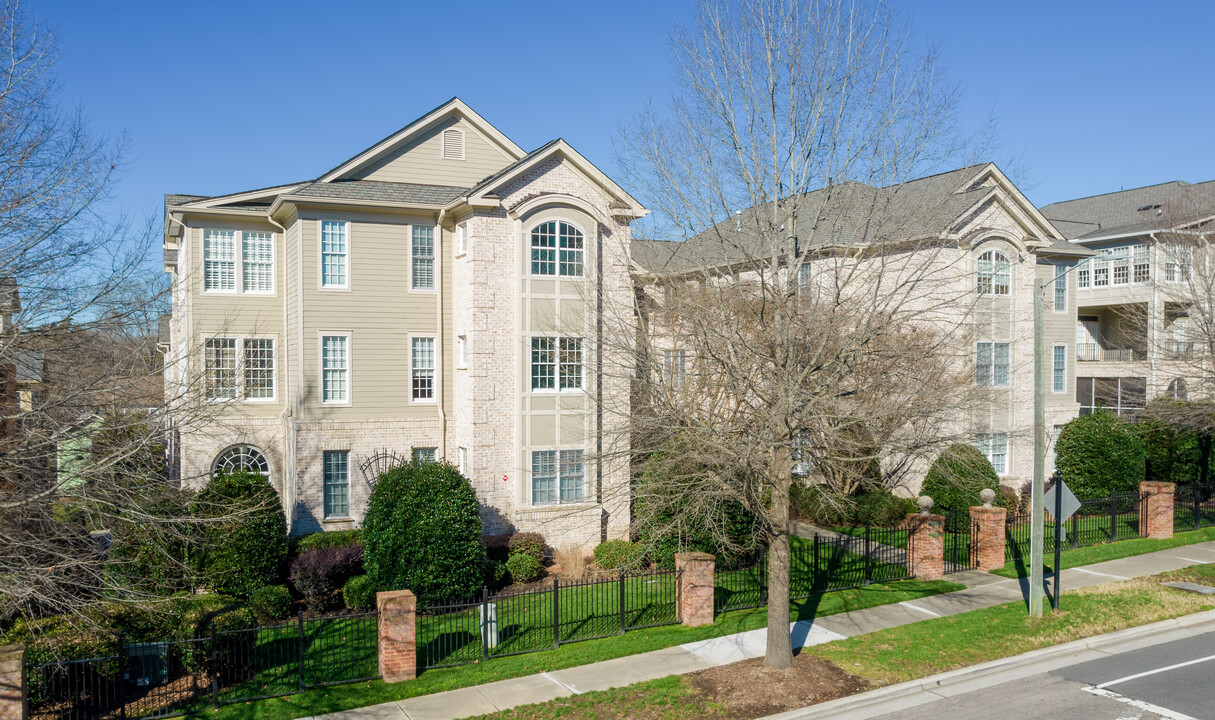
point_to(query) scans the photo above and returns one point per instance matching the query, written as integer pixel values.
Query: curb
(953, 678)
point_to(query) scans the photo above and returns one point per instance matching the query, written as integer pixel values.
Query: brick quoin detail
(987, 536)
(398, 631)
(926, 546)
(1159, 509)
(12, 683)
(694, 589)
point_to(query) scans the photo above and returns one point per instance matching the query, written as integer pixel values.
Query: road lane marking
(923, 610)
(1147, 706)
(1136, 676)
(1094, 572)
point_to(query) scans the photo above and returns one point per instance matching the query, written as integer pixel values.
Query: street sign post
(1064, 504)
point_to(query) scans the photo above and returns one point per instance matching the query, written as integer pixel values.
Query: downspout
(283, 377)
(439, 395)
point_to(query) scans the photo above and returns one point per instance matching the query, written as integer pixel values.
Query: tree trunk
(779, 653)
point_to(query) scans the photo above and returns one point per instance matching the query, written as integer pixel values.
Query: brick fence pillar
(398, 631)
(987, 536)
(13, 704)
(926, 546)
(1159, 511)
(694, 588)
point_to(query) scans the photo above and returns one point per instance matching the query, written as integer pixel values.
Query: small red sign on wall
(505, 478)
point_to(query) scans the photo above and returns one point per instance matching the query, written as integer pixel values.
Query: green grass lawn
(341, 697)
(1019, 567)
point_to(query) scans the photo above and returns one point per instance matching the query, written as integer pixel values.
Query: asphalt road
(1173, 681)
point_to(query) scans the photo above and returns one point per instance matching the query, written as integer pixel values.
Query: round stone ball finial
(987, 495)
(925, 504)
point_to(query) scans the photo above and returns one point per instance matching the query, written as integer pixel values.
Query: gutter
(440, 335)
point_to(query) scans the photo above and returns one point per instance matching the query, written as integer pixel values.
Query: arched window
(241, 457)
(994, 273)
(1178, 390)
(557, 249)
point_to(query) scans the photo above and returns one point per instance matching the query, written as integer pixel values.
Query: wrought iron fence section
(450, 634)
(337, 650)
(82, 689)
(1193, 507)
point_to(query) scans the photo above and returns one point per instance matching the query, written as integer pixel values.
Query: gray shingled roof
(847, 213)
(174, 199)
(379, 191)
(1138, 210)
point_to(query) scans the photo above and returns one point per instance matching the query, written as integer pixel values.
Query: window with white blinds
(219, 260)
(422, 361)
(257, 262)
(422, 258)
(335, 369)
(334, 254)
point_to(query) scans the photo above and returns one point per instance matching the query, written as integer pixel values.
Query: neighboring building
(1132, 341)
(1005, 250)
(439, 294)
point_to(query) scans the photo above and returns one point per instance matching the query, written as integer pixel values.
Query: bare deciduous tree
(814, 314)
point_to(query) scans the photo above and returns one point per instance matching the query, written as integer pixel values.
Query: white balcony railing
(1096, 352)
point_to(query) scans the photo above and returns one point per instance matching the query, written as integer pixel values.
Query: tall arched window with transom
(994, 273)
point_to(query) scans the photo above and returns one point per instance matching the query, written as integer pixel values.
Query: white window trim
(438, 376)
(462, 460)
(586, 498)
(993, 273)
(994, 343)
(320, 256)
(1007, 450)
(463, 144)
(1052, 368)
(273, 265)
(436, 247)
(1060, 277)
(240, 368)
(324, 512)
(462, 352)
(556, 389)
(236, 262)
(320, 368)
(557, 275)
(460, 246)
(239, 371)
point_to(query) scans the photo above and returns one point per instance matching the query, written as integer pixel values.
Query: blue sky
(219, 97)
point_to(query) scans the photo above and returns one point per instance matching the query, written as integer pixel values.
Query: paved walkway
(983, 590)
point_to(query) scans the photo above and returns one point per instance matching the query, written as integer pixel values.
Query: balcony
(1100, 352)
(1179, 350)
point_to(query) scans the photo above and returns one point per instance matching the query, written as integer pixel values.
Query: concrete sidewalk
(983, 590)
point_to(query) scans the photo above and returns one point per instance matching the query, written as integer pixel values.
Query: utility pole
(1037, 592)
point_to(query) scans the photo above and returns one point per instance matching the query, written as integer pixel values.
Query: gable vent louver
(453, 144)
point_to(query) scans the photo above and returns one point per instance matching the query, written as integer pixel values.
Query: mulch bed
(749, 690)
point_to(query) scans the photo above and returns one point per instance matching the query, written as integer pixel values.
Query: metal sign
(1065, 505)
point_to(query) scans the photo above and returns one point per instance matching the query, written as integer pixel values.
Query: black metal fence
(960, 553)
(1119, 516)
(170, 678)
(839, 562)
(566, 611)
(1193, 507)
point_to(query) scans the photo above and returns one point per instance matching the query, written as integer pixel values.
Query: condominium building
(438, 295)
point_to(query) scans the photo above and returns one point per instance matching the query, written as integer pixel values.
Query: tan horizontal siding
(420, 161)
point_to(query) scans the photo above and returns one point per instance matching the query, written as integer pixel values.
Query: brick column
(694, 588)
(987, 536)
(1159, 512)
(926, 546)
(13, 704)
(398, 631)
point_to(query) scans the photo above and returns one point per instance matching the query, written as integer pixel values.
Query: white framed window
(257, 357)
(803, 275)
(452, 146)
(425, 454)
(336, 469)
(994, 273)
(241, 458)
(1059, 368)
(992, 360)
(1178, 260)
(1101, 273)
(422, 368)
(558, 476)
(461, 351)
(1060, 304)
(335, 369)
(462, 455)
(557, 363)
(1083, 273)
(221, 376)
(1142, 264)
(557, 249)
(257, 262)
(219, 261)
(1120, 265)
(674, 365)
(335, 254)
(994, 447)
(422, 258)
(461, 238)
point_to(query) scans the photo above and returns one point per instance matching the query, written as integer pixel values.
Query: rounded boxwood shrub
(1098, 454)
(422, 532)
(614, 554)
(527, 543)
(358, 593)
(272, 602)
(334, 538)
(247, 547)
(523, 568)
(955, 480)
